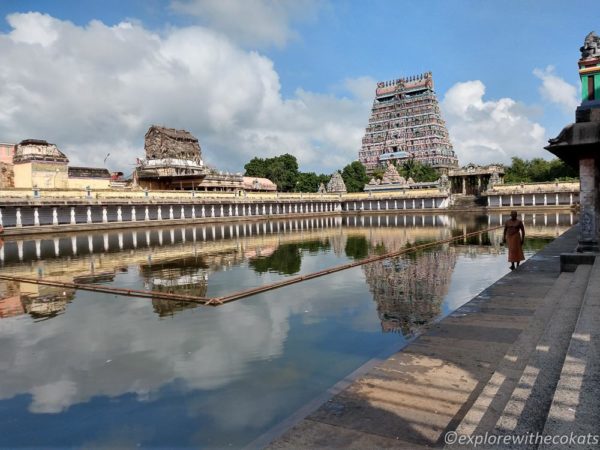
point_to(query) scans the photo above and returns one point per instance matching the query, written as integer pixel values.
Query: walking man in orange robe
(514, 237)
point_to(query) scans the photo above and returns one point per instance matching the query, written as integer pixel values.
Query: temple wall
(42, 175)
(93, 183)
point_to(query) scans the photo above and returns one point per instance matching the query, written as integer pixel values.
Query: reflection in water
(409, 291)
(286, 259)
(110, 371)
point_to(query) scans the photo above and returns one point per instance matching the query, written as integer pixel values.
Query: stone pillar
(182, 212)
(104, 215)
(171, 216)
(422, 203)
(54, 217)
(511, 200)
(533, 199)
(522, 200)
(236, 210)
(230, 210)
(146, 213)
(413, 204)
(464, 186)
(194, 214)
(589, 199)
(571, 199)
(89, 214)
(545, 199)
(159, 213)
(212, 211)
(264, 208)
(271, 209)
(133, 218)
(36, 217)
(221, 211)
(243, 210)
(404, 204)
(500, 200)
(556, 200)
(202, 212)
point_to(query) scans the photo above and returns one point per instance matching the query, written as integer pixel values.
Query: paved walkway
(414, 397)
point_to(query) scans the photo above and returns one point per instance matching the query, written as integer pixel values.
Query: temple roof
(336, 183)
(88, 172)
(38, 150)
(180, 135)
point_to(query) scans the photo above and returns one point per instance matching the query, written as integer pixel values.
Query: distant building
(89, 177)
(473, 179)
(406, 123)
(173, 160)
(393, 181)
(259, 184)
(37, 163)
(336, 184)
(7, 152)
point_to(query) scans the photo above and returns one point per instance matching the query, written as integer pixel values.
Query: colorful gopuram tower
(406, 123)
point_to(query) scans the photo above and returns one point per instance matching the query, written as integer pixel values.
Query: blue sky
(303, 72)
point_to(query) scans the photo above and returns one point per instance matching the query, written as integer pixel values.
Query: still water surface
(84, 369)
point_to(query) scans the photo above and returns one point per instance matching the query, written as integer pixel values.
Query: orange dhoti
(515, 249)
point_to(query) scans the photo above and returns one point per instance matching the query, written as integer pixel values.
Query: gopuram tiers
(406, 123)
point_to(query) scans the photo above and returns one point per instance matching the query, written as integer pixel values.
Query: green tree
(281, 170)
(256, 167)
(538, 170)
(310, 181)
(355, 177)
(419, 172)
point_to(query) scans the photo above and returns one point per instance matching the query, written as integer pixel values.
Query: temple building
(474, 180)
(38, 163)
(173, 160)
(406, 123)
(336, 184)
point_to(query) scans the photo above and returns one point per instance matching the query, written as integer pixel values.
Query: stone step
(572, 412)
(490, 403)
(529, 404)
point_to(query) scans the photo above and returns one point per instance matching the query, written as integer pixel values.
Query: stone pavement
(473, 371)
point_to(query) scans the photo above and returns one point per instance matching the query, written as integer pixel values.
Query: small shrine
(336, 184)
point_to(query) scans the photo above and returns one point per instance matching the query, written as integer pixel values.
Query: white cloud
(95, 90)
(250, 22)
(556, 90)
(485, 131)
